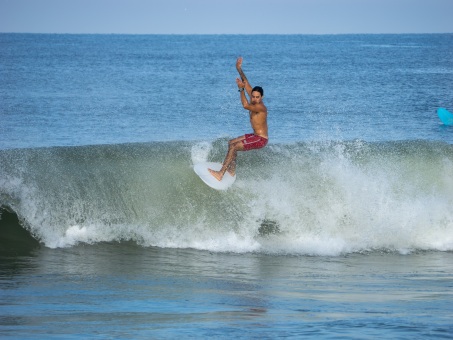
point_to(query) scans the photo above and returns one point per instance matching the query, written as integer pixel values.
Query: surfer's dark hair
(258, 89)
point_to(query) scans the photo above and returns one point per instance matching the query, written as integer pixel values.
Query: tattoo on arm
(243, 77)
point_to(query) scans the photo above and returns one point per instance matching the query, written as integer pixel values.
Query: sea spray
(319, 198)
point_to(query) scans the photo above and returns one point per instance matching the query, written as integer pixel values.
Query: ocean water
(341, 227)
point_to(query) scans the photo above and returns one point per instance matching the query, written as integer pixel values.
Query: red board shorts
(252, 141)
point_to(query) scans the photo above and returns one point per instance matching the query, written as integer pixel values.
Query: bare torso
(258, 120)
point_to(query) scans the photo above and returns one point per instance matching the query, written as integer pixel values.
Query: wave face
(323, 198)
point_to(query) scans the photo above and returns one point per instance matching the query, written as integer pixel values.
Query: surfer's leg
(232, 168)
(244, 143)
(235, 140)
(230, 156)
(230, 159)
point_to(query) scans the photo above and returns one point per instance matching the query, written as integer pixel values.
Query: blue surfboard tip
(445, 116)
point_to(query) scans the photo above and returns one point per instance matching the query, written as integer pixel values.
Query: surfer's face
(256, 97)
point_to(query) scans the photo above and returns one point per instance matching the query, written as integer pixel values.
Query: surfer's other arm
(256, 104)
(244, 79)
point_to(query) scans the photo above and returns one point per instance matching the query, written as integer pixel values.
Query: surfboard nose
(445, 116)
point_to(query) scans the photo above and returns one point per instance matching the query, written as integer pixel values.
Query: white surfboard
(201, 169)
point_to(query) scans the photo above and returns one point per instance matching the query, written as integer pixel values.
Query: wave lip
(320, 198)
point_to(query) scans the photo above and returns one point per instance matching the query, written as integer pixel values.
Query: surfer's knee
(236, 140)
(237, 145)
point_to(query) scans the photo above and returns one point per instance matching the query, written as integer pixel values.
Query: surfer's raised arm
(244, 79)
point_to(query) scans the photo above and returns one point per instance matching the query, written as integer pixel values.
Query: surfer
(258, 120)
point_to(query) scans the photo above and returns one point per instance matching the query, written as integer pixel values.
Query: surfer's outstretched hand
(239, 63)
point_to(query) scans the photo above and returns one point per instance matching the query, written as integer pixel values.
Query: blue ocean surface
(341, 227)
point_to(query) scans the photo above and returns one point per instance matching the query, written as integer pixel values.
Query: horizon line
(117, 33)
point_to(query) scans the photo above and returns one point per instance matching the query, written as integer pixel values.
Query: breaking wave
(320, 198)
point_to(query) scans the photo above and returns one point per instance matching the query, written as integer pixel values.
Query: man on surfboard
(258, 119)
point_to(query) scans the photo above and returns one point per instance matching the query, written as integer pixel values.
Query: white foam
(325, 200)
(200, 152)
